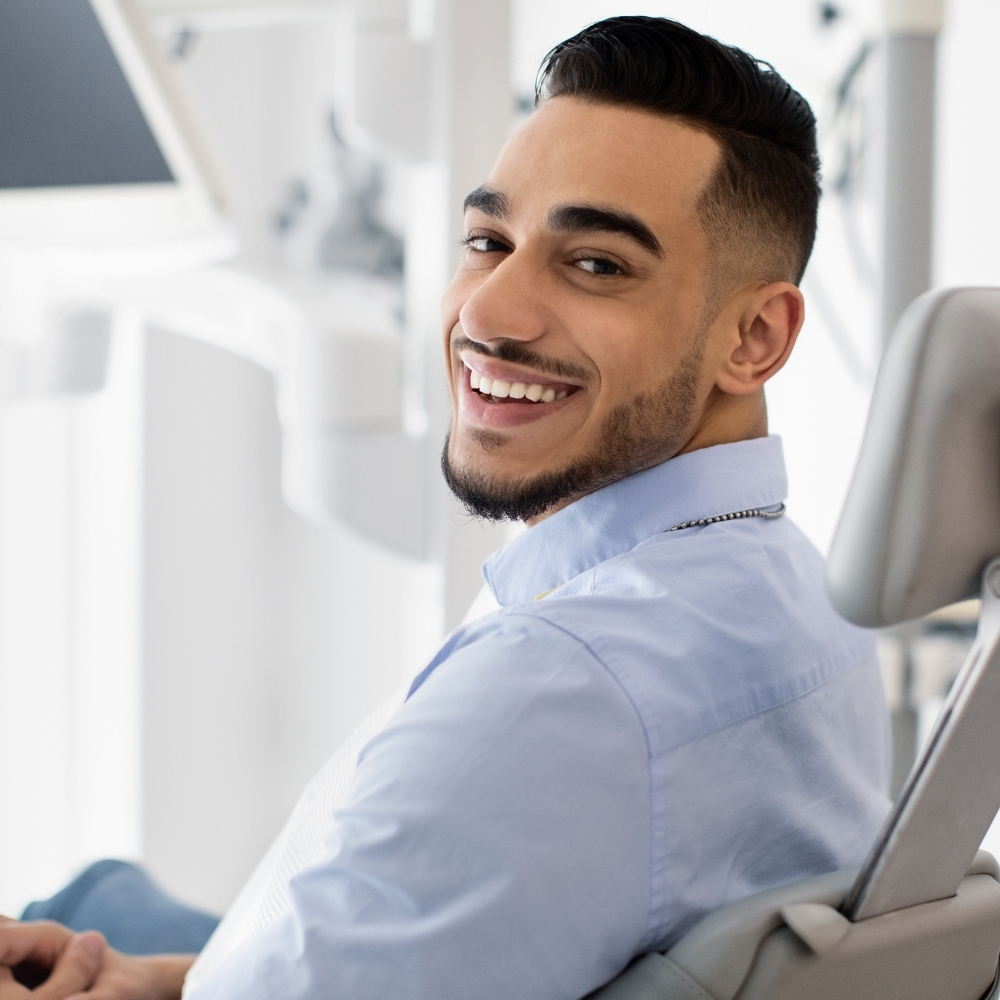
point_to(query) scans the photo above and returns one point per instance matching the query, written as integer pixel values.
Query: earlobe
(767, 327)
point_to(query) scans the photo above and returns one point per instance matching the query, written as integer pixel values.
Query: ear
(767, 327)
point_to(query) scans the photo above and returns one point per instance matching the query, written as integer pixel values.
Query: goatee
(648, 429)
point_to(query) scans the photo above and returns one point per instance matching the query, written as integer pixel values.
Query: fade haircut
(759, 208)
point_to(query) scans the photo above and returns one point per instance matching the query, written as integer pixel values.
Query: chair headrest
(922, 516)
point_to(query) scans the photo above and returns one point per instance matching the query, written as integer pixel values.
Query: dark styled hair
(759, 210)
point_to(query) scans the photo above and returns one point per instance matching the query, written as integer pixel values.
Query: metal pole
(912, 27)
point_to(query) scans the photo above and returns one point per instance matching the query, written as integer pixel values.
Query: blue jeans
(122, 902)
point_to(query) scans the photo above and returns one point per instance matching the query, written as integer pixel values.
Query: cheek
(637, 358)
(621, 353)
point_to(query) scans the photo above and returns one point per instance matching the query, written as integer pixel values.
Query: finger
(40, 942)
(10, 989)
(77, 968)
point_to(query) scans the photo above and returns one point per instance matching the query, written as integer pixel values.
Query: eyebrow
(571, 218)
(590, 219)
(489, 201)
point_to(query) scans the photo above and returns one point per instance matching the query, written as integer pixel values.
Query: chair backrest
(920, 526)
(922, 516)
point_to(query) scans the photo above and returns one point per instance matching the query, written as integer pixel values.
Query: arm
(495, 843)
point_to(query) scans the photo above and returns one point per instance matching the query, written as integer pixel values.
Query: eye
(483, 244)
(598, 265)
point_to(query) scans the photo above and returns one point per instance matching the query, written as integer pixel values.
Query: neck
(727, 419)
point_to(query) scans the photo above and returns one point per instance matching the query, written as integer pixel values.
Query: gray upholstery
(719, 952)
(947, 948)
(922, 516)
(766, 947)
(951, 795)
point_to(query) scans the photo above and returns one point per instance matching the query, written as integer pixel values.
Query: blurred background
(190, 621)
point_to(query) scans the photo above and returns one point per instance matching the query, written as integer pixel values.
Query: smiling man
(629, 277)
(663, 714)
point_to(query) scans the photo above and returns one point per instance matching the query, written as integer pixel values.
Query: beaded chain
(768, 515)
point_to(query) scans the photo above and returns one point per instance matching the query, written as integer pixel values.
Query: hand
(84, 967)
(74, 960)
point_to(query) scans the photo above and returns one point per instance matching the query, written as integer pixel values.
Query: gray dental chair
(920, 919)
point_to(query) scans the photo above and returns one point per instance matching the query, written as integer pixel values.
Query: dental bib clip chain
(736, 515)
(767, 515)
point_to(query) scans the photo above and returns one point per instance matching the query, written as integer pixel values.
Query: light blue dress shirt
(574, 780)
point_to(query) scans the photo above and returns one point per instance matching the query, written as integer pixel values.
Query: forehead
(572, 151)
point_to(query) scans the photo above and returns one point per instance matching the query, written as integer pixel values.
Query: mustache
(519, 354)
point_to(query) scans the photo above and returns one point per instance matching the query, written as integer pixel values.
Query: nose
(507, 305)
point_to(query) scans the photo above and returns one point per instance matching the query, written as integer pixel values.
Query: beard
(646, 430)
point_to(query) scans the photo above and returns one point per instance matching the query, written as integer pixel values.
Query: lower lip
(476, 407)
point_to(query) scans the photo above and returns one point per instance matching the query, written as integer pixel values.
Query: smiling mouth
(500, 391)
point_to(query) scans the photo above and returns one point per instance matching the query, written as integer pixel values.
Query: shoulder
(519, 744)
(707, 627)
(518, 664)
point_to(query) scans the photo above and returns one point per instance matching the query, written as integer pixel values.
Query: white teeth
(500, 389)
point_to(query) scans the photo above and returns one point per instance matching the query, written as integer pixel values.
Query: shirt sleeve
(496, 842)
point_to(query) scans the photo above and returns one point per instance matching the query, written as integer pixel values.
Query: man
(664, 714)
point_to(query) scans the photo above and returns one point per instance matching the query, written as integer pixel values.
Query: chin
(499, 456)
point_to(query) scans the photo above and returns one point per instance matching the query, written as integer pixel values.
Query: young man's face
(580, 307)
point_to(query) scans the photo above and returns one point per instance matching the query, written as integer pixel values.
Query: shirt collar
(705, 483)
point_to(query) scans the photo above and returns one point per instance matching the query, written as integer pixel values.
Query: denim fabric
(121, 901)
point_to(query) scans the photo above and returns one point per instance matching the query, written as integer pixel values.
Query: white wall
(70, 657)
(968, 190)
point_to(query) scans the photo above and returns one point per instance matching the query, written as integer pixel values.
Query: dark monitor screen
(68, 116)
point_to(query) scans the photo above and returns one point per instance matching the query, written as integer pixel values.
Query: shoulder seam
(582, 642)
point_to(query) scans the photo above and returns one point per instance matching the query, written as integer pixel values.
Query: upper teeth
(516, 390)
